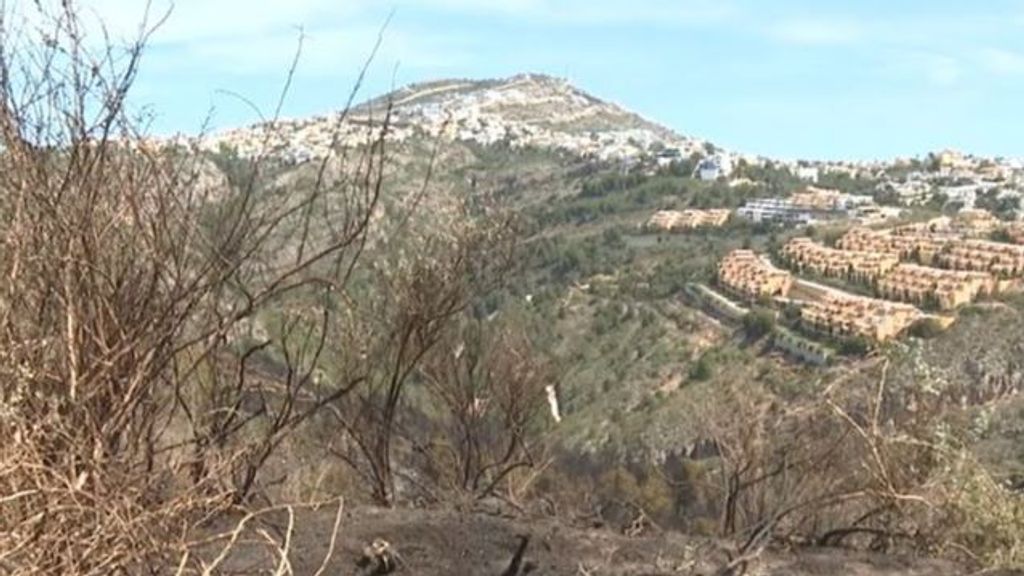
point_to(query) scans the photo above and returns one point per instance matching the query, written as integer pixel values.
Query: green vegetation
(1003, 207)
(926, 329)
(759, 323)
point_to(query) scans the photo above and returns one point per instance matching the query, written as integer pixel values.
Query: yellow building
(947, 289)
(1002, 260)
(814, 198)
(862, 266)
(906, 244)
(950, 160)
(976, 222)
(847, 315)
(670, 220)
(752, 276)
(1015, 231)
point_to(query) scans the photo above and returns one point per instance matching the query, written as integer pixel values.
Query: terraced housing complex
(843, 314)
(921, 246)
(752, 276)
(805, 254)
(837, 313)
(1002, 260)
(921, 285)
(671, 220)
(946, 289)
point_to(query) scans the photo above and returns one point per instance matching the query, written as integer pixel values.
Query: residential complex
(1002, 260)
(976, 221)
(808, 205)
(807, 255)
(828, 200)
(947, 289)
(753, 276)
(842, 314)
(1015, 232)
(774, 210)
(921, 285)
(670, 220)
(973, 222)
(923, 246)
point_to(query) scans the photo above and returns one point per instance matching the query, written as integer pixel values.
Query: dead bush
(133, 406)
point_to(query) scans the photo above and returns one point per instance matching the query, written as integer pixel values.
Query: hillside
(610, 291)
(638, 362)
(474, 316)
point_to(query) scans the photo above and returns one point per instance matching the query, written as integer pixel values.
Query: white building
(774, 210)
(714, 167)
(807, 173)
(667, 156)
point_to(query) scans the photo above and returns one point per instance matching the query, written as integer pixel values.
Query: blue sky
(787, 78)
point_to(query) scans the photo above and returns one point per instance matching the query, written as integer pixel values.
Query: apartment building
(1002, 260)
(806, 350)
(862, 266)
(941, 224)
(752, 276)
(828, 200)
(1015, 231)
(855, 316)
(976, 222)
(907, 245)
(781, 210)
(671, 220)
(947, 289)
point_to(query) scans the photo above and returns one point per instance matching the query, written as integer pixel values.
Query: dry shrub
(487, 385)
(131, 409)
(402, 308)
(163, 329)
(853, 469)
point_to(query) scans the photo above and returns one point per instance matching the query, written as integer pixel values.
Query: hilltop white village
(531, 110)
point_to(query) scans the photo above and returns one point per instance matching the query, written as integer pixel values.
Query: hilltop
(526, 110)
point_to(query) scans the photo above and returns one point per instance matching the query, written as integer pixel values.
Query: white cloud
(1002, 62)
(943, 70)
(261, 36)
(195, 20)
(325, 51)
(937, 69)
(818, 31)
(591, 12)
(254, 36)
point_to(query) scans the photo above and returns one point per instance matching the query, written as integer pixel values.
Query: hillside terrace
(809, 205)
(976, 222)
